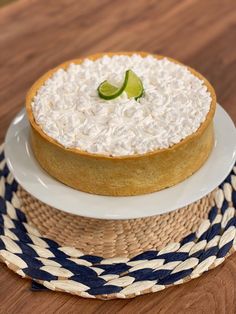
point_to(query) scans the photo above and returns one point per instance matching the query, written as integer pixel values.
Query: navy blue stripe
(108, 289)
(234, 198)
(8, 192)
(197, 253)
(149, 255)
(77, 270)
(189, 238)
(175, 277)
(14, 186)
(22, 236)
(2, 245)
(225, 205)
(228, 178)
(26, 249)
(141, 274)
(18, 225)
(1, 156)
(213, 231)
(50, 243)
(2, 232)
(231, 222)
(149, 274)
(221, 186)
(30, 261)
(35, 286)
(173, 256)
(225, 249)
(20, 215)
(5, 171)
(203, 236)
(210, 252)
(114, 268)
(57, 253)
(39, 274)
(92, 259)
(3, 207)
(213, 213)
(92, 282)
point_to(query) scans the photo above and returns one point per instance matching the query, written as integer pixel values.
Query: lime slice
(108, 91)
(133, 85)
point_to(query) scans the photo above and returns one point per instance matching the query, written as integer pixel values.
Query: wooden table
(36, 35)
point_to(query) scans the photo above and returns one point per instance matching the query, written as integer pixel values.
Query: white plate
(37, 182)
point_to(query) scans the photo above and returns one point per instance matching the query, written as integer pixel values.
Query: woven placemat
(113, 259)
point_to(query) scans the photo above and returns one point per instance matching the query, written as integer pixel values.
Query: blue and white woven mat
(67, 269)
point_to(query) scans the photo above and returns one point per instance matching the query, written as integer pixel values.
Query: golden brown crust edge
(125, 175)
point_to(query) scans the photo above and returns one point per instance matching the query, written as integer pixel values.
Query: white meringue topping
(69, 110)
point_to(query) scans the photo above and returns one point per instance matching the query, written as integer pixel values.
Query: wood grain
(37, 35)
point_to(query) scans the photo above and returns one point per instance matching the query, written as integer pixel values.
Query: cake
(123, 146)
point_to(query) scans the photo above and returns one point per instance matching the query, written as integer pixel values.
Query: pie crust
(121, 175)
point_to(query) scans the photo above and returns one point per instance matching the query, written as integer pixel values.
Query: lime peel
(132, 85)
(108, 91)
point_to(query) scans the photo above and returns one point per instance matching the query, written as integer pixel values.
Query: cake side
(123, 177)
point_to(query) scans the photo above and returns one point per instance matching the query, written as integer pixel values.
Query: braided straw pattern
(67, 269)
(110, 238)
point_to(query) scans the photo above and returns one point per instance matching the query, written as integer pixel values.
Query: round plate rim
(38, 183)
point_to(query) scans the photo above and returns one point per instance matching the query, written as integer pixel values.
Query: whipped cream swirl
(68, 109)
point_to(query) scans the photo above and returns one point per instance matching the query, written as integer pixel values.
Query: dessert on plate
(121, 124)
